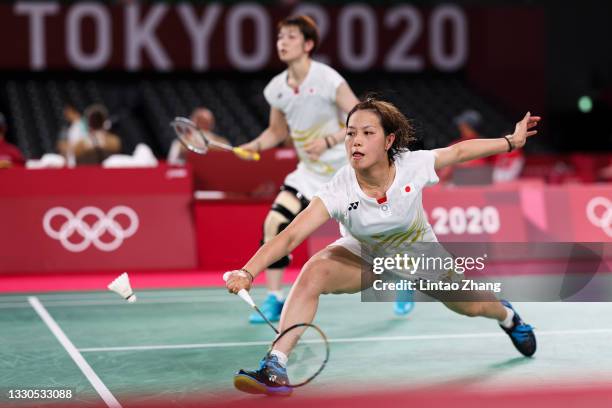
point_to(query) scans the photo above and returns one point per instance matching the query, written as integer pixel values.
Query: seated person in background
(508, 166)
(503, 167)
(100, 142)
(75, 132)
(205, 121)
(10, 155)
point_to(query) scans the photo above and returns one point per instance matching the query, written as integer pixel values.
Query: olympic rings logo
(92, 234)
(602, 220)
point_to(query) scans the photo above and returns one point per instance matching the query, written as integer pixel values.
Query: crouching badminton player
(382, 171)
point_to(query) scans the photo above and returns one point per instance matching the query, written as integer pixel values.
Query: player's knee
(273, 225)
(315, 274)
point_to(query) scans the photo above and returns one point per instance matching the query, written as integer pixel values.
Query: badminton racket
(310, 351)
(198, 141)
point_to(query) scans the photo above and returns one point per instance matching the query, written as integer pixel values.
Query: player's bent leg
(476, 304)
(332, 270)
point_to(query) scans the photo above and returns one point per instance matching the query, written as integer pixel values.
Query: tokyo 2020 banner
(92, 36)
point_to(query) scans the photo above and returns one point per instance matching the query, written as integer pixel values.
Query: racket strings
(189, 135)
(310, 352)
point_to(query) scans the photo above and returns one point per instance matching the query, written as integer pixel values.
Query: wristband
(248, 273)
(510, 147)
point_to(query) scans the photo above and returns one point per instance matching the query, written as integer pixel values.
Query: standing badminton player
(308, 102)
(382, 170)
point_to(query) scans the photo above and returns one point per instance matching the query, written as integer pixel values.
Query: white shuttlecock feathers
(121, 285)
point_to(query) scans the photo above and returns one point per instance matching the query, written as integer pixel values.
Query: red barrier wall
(76, 220)
(221, 171)
(96, 219)
(229, 232)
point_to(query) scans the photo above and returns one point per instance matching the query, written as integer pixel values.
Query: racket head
(309, 354)
(189, 135)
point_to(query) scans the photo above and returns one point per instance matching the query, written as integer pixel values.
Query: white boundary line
(112, 302)
(98, 295)
(116, 301)
(342, 340)
(93, 378)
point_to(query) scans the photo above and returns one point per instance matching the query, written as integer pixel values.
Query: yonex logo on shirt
(353, 206)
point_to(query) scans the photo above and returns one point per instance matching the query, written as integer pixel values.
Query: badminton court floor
(174, 344)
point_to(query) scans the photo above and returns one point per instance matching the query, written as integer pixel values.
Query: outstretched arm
(276, 132)
(479, 148)
(300, 228)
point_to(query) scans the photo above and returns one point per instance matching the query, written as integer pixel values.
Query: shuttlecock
(121, 285)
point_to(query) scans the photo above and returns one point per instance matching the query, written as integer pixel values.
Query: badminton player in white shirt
(375, 197)
(308, 102)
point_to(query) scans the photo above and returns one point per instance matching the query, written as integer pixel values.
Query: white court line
(97, 295)
(118, 302)
(343, 340)
(106, 295)
(112, 302)
(93, 378)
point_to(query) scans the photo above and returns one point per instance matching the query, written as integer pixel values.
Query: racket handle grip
(246, 154)
(242, 293)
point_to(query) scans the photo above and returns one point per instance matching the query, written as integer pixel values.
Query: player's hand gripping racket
(310, 351)
(197, 141)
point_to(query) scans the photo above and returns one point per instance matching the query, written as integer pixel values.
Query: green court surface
(173, 344)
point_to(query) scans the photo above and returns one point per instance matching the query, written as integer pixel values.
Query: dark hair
(470, 117)
(97, 117)
(307, 27)
(392, 121)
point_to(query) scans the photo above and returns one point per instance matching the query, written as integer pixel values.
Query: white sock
(282, 357)
(507, 322)
(278, 294)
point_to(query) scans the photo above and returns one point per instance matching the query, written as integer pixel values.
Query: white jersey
(383, 226)
(311, 113)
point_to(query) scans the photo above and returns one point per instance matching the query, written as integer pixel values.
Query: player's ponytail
(392, 121)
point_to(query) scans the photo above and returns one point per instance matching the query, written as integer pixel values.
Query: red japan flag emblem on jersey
(408, 189)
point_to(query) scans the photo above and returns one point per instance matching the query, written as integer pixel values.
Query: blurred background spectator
(99, 142)
(205, 121)
(495, 169)
(74, 132)
(9, 154)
